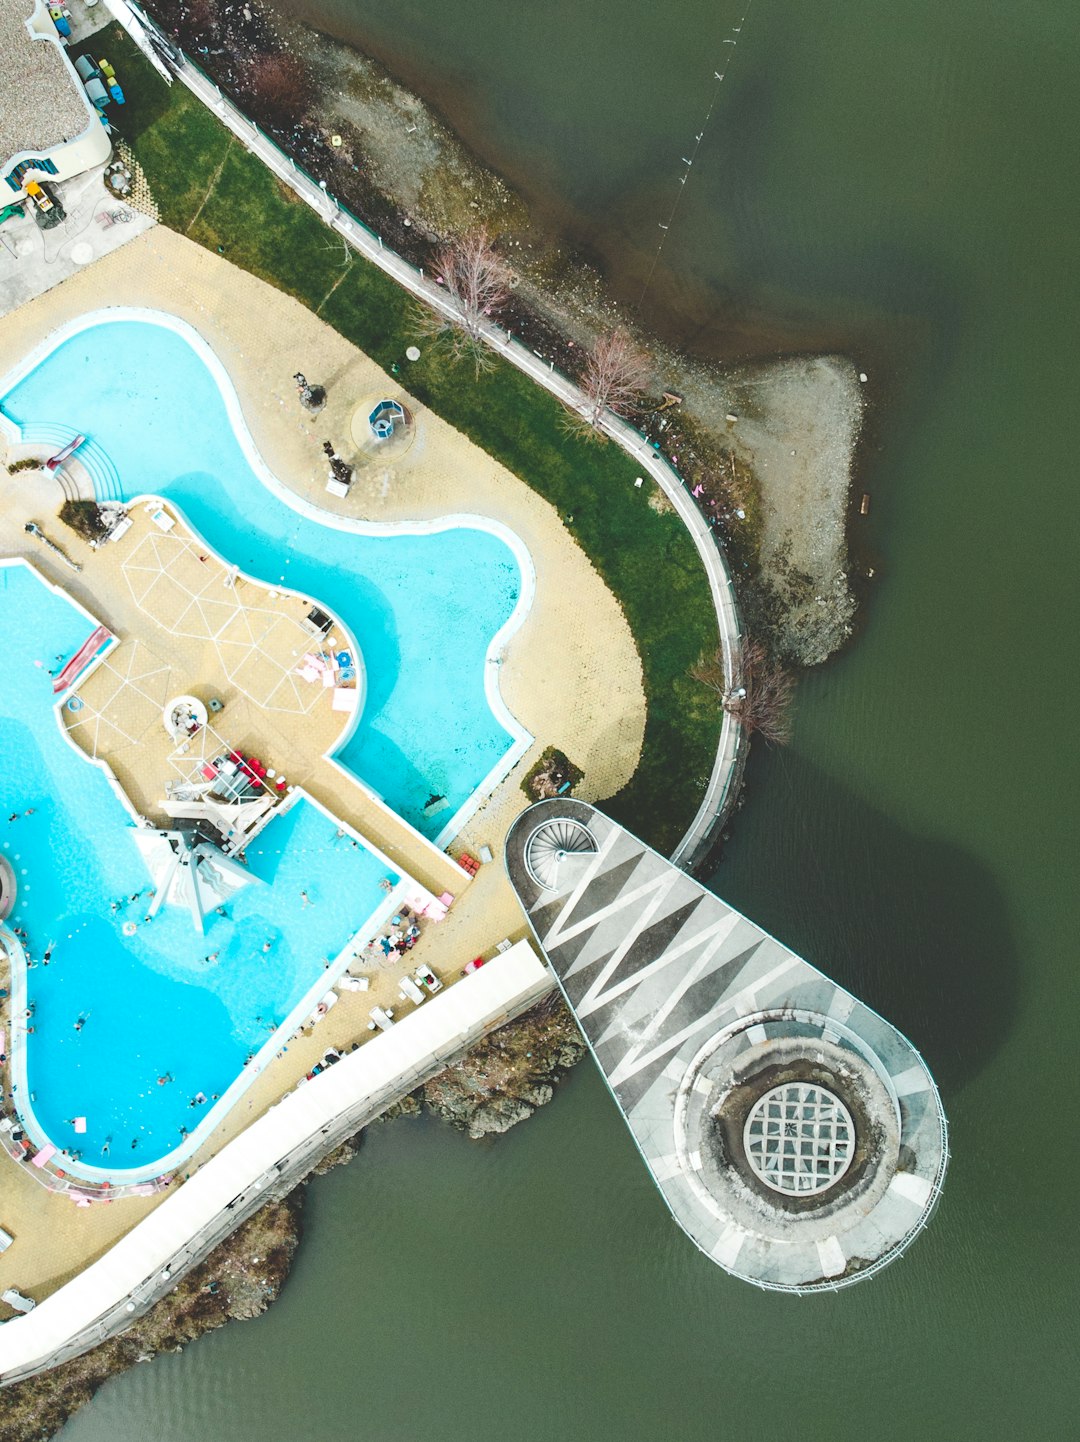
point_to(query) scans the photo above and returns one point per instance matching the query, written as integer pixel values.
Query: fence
(170, 60)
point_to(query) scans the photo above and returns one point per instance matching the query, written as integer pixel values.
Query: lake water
(901, 180)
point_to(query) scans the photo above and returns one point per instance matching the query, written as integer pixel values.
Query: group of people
(401, 938)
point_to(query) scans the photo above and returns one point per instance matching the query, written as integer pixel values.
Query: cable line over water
(718, 76)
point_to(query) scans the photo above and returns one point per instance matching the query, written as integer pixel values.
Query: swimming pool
(429, 604)
(165, 1001)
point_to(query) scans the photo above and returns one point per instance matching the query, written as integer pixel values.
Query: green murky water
(900, 180)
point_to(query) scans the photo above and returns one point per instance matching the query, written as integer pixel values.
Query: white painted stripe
(831, 1256)
(593, 996)
(557, 936)
(910, 1081)
(729, 1245)
(633, 1061)
(722, 929)
(841, 1005)
(553, 936)
(912, 1188)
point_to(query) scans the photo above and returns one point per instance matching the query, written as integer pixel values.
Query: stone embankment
(766, 447)
(236, 1282)
(499, 1083)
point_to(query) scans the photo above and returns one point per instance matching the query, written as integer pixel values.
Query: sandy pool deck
(571, 673)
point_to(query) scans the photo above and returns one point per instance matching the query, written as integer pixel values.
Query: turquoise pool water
(154, 1005)
(424, 607)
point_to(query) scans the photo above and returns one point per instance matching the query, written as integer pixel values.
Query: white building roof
(41, 100)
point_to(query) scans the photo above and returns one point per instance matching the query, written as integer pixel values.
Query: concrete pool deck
(560, 683)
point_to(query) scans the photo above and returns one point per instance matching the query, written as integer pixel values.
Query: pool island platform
(553, 677)
(796, 1137)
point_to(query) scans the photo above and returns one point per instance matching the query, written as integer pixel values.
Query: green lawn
(209, 188)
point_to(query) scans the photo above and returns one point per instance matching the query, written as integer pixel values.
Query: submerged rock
(512, 1072)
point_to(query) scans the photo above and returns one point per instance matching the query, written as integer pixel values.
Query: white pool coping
(145, 1263)
(405, 888)
(520, 738)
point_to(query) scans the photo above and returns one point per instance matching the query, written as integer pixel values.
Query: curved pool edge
(520, 738)
(171, 1162)
(174, 1159)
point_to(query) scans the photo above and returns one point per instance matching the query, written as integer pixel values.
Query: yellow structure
(49, 129)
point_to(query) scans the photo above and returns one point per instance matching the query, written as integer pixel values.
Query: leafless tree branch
(477, 280)
(761, 694)
(616, 374)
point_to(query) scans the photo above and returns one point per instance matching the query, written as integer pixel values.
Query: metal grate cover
(799, 1139)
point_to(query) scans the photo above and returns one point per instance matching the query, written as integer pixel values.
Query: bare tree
(278, 89)
(616, 374)
(477, 280)
(761, 692)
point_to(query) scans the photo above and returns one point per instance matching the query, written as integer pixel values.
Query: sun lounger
(426, 978)
(48, 1151)
(344, 698)
(410, 991)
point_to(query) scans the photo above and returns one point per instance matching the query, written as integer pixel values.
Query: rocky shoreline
(768, 447)
(499, 1083)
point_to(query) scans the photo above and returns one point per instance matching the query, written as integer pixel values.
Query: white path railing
(726, 762)
(265, 1162)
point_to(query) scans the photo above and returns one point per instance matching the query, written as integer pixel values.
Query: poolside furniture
(471, 966)
(6, 1240)
(330, 999)
(47, 1152)
(446, 899)
(469, 864)
(410, 991)
(426, 978)
(381, 1017)
(384, 419)
(317, 622)
(353, 983)
(16, 1301)
(344, 698)
(504, 945)
(162, 519)
(485, 854)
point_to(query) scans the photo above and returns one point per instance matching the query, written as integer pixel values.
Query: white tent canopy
(189, 873)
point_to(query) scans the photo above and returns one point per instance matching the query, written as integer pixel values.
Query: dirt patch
(725, 1135)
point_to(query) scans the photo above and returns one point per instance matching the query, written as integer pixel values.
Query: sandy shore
(799, 418)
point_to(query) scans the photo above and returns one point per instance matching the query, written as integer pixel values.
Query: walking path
(725, 764)
(265, 1162)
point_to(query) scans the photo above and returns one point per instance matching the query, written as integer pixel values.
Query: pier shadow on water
(913, 926)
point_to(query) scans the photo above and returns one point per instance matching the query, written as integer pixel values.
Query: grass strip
(209, 187)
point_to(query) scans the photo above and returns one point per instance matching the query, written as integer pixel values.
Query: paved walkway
(725, 764)
(695, 1017)
(267, 1161)
(560, 685)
